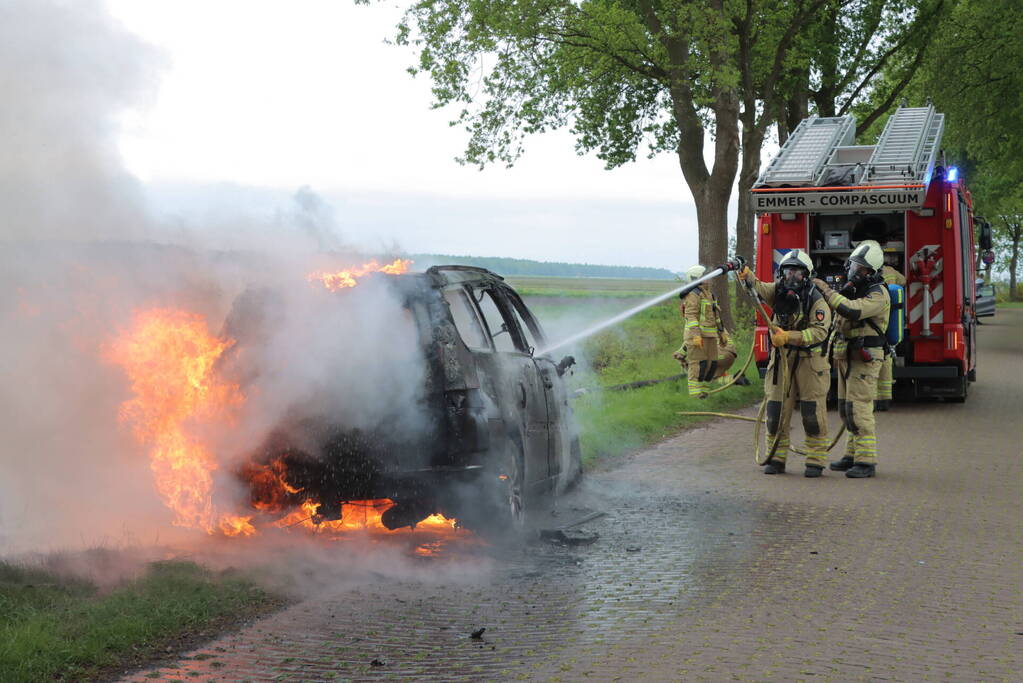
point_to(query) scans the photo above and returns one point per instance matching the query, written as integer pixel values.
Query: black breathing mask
(857, 281)
(790, 290)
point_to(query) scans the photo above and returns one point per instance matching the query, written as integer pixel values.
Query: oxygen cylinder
(897, 315)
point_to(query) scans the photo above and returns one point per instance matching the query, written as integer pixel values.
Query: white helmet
(799, 259)
(868, 254)
(695, 272)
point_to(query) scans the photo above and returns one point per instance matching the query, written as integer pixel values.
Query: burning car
(489, 434)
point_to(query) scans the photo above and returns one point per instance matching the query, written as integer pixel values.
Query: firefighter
(726, 358)
(800, 326)
(874, 228)
(701, 319)
(861, 319)
(885, 379)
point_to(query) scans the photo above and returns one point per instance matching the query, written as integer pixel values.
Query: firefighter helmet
(696, 272)
(868, 254)
(797, 258)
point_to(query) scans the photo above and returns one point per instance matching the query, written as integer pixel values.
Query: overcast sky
(280, 95)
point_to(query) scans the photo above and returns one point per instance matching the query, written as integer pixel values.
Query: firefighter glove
(779, 337)
(725, 338)
(697, 341)
(821, 285)
(745, 274)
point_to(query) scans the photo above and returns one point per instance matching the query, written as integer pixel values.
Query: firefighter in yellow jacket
(726, 358)
(701, 319)
(885, 379)
(800, 325)
(874, 228)
(861, 320)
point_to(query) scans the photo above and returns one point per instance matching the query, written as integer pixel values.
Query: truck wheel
(961, 398)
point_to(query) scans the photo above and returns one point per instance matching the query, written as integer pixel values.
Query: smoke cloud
(82, 255)
(68, 73)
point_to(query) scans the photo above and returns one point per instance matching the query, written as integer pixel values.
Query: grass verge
(54, 628)
(615, 422)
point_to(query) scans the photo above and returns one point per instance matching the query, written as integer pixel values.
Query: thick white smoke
(79, 256)
(68, 73)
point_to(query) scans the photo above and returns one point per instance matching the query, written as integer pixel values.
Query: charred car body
(494, 433)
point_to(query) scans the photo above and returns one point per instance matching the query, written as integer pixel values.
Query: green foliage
(974, 77)
(620, 74)
(640, 348)
(57, 628)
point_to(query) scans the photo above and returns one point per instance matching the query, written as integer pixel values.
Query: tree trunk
(745, 221)
(712, 217)
(1017, 233)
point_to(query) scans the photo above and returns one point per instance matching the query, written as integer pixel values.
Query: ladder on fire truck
(807, 150)
(822, 148)
(907, 148)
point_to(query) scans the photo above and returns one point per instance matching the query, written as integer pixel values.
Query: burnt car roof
(440, 277)
(461, 274)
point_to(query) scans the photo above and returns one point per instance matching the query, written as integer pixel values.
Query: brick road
(706, 570)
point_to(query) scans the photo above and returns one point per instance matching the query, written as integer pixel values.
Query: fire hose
(783, 358)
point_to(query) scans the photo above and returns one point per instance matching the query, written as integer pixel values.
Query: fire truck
(821, 186)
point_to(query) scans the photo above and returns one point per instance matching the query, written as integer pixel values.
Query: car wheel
(508, 498)
(495, 507)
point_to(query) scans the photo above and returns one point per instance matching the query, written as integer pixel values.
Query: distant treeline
(516, 266)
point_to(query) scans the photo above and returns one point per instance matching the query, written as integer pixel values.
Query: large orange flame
(342, 279)
(169, 357)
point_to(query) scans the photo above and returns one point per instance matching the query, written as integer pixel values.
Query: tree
(853, 57)
(620, 74)
(1009, 233)
(974, 77)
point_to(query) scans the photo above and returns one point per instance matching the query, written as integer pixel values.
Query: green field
(590, 286)
(54, 627)
(639, 348)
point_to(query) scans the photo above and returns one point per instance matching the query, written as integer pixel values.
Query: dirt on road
(707, 570)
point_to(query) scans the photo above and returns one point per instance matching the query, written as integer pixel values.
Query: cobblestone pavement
(706, 570)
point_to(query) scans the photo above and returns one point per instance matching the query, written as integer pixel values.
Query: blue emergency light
(952, 174)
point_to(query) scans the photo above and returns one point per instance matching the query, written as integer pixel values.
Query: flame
(237, 526)
(343, 279)
(169, 357)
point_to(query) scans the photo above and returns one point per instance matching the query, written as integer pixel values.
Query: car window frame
(505, 310)
(526, 315)
(473, 309)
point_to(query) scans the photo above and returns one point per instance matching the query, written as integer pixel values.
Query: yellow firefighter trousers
(703, 365)
(885, 380)
(857, 387)
(808, 388)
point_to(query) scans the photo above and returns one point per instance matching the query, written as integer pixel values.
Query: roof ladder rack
(807, 150)
(906, 151)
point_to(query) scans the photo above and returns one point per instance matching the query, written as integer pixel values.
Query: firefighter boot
(846, 463)
(742, 381)
(774, 467)
(861, 470)
(813, 471)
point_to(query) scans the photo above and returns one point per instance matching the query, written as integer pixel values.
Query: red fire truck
(821, 185)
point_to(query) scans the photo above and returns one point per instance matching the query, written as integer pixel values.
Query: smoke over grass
(82, 256)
